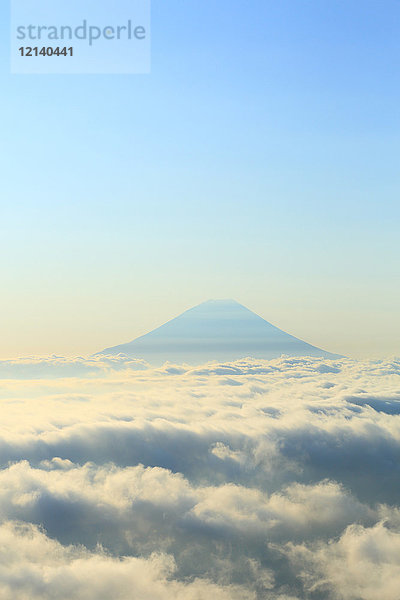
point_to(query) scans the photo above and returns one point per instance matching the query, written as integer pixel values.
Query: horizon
(157, 326)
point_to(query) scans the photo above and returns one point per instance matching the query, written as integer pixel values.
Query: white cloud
(363, 563)
(243, 476)
(36, 567)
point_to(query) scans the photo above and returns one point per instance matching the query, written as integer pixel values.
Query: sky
(257, 161)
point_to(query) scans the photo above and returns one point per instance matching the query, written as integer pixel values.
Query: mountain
(222, 330)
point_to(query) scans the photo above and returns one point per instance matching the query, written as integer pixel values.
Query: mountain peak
(221, 329)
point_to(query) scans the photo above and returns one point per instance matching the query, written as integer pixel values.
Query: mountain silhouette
(221, 330)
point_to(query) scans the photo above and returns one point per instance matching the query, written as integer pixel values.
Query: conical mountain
(222, 330)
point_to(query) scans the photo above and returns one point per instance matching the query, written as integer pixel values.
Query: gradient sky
(259, 161)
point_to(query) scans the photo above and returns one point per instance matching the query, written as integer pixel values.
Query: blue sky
(259, 160)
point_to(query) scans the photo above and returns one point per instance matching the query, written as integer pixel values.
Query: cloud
(363, 563)
(34, 566)
(59, 366)
(253, 479)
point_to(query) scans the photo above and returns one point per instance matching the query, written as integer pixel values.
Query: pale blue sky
(258, 161)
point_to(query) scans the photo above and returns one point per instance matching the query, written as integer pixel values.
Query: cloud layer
(254, 479)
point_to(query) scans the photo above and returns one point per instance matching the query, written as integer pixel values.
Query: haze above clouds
(254, 479)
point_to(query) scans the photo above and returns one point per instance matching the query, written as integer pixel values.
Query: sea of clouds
(276, 480)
